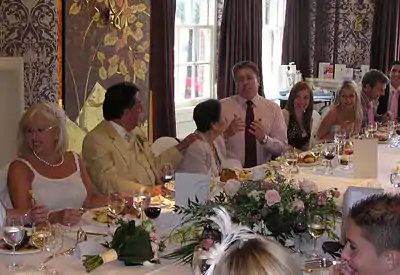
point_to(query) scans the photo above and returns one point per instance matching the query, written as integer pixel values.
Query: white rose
(254, 194)
(308, 186)
(231, 187)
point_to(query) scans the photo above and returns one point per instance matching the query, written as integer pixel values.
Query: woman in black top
(298, 116)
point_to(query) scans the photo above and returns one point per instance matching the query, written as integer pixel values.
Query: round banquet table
(387, 159)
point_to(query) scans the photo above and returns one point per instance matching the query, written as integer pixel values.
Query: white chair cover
(162, 144)
(4, 195)
(316, 120)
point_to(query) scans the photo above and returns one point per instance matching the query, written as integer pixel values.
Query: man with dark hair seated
(116, 152)
(389, 103)
(373, 237)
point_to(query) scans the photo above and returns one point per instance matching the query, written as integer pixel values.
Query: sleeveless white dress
(58, 194)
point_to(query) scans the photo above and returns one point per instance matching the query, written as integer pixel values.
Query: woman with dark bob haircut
(207, 155)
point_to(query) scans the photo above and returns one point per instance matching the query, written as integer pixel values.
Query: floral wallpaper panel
(28, 28)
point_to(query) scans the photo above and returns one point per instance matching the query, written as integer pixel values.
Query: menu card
(190, 186)
(365, 158)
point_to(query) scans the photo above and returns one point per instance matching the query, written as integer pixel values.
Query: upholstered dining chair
(162, 144)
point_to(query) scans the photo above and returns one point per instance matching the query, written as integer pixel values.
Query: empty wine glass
(141, 202)
(300, 227)
(53, 243)
(40, 232)
(329, 154)
(292, 158)
(316, 228)
(13, 234)
(116, 204)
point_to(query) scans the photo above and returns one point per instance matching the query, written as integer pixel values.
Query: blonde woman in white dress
(56, 177)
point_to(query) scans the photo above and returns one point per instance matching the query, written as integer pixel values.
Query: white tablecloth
(388, 158)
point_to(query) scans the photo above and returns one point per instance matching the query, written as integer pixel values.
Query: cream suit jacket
(115, 165)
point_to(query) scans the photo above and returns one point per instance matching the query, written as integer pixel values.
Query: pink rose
(152, 236)
(272, 197)
(298, 204)
(308, 186)
(321, 200)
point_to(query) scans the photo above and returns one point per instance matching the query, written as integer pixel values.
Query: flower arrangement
(268, 207)
(127, 238)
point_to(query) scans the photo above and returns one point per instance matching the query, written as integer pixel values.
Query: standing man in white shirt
(257, 130)
(389, 103)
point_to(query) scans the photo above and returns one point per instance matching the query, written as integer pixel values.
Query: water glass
(13, 234)
(371, 130)
(53, 243)
(116, 204)
(291, 159)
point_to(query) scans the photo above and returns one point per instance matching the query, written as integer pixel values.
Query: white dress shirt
(270, 115)
(393, 102)
(120, 130)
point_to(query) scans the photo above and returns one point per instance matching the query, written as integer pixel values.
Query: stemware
(13, 234)
(291, 159)
(152, 212)
(41, 231)
(329, 154)
(395, 178)
(53, 243)
(116, 204)
(371, 130)
(345, 156)
(167, 172)
(141, 201)
(300, 227)
(316, 228)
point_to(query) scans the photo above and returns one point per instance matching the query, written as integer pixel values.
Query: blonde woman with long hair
(345, 113)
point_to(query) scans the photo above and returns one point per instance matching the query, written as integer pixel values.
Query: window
(274, 21)
(194, 49)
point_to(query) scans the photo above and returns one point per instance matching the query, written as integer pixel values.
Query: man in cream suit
(117, 154)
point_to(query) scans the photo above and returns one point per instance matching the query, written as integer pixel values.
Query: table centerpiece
(267, 206)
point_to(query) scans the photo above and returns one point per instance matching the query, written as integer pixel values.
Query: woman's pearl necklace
(48, 163)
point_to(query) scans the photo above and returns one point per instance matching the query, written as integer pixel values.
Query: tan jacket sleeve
(98, 158)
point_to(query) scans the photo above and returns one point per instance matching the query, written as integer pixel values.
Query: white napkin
(90, 247)
(258, 172)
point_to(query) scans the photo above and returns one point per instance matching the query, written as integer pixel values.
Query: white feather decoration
(230, 233)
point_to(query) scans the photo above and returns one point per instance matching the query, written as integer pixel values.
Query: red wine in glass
(348, 152)
(152, 212)
(329, 156)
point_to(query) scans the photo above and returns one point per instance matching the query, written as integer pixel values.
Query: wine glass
(329, 154)
(116, 204)
(40, 232)
(316, 228)
(347, 152)
(152, 212)
(53, 243)
(167, 172)
(300, 227)
(371, 130)
(13, 234)
(141, 201)
(395, 178)
(291, 159)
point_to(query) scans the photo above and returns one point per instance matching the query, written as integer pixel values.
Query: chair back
(4, 194)
(162, 144)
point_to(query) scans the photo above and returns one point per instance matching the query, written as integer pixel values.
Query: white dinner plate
(88, 217)
(23, 251)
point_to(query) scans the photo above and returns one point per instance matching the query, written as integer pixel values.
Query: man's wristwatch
(265, 139)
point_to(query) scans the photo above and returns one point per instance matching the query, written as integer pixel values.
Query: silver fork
(320, 263)
(80, 237)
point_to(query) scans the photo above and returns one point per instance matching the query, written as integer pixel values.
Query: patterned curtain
(385, 45)
(162, 31)
(240, 40)
(296, 43)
